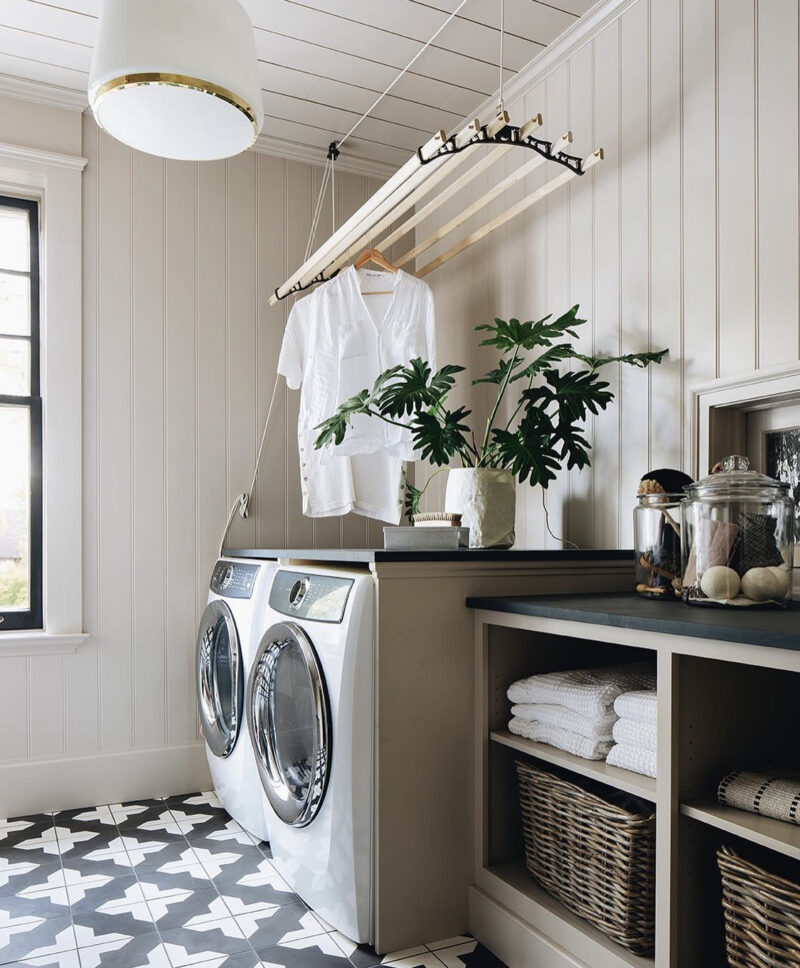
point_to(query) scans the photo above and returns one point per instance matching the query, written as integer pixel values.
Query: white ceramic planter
(486, 499)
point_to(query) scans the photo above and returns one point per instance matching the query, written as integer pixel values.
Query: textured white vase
(486, 499)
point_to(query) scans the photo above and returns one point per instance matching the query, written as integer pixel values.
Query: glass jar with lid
(737, 538)
(657, 544)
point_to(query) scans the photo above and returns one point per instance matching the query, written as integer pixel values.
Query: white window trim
(55, 181)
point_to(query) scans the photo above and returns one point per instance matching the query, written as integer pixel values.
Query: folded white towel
(630, 733)
(633, 758)
(589, 692)
(563, 739)
(641, 706)
(555, 715)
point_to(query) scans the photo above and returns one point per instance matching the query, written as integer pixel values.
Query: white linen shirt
(335, 345)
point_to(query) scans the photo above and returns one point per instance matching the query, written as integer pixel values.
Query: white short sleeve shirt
(337, 341)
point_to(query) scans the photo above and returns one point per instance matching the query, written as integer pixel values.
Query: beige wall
(686, 236)
(179, 353)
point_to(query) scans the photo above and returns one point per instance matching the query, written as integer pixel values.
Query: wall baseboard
(82, 781)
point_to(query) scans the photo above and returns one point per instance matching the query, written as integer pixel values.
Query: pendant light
(177, 78)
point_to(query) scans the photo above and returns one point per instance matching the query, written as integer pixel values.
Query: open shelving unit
(725, 702)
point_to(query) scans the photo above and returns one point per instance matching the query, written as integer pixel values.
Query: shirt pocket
(353, 365)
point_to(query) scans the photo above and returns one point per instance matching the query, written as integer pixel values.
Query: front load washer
(227, 638)
(310, 712)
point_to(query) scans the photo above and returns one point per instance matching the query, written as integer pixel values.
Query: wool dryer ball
(763, 584)
(720, 582)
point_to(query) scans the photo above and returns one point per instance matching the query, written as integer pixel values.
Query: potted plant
(543, 432)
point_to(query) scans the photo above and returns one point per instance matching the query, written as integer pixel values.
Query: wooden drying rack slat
(435, 162)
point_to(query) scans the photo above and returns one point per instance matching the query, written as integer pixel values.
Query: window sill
(40, 643)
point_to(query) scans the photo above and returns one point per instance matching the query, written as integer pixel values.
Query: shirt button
(305, 478)
(303, 464)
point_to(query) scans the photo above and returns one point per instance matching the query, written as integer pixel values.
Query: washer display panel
(220, 683)
(290, 724)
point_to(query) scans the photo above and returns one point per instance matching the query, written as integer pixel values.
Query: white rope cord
(501, 105)
(402, 73)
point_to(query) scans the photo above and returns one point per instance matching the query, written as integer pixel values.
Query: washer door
(220, 683)
(290, 723)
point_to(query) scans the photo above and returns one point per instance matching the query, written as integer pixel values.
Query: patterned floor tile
(17, 875)
(23, 828)
(189, 876)
(131, 920)
(365, 956)
(265, 848)
(147, 854)
(207, 940)
(449, 942)
(241, 959)
(24, 937)
(219, 831)
(83, 841)
(63, 959)
(175, 908)
(85, 816)
(115, 863)
(317, 952)
(104, 894)
(134, 812)
(472, 954)
(13, 907)
(262, 885)
(222, 854)
(279, 925)
(143, 952)
(206, 803)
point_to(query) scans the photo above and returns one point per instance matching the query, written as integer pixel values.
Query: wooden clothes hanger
(373, 255)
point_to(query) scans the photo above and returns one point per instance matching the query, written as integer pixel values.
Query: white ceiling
(323, 62)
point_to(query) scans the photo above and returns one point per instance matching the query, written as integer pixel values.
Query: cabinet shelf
(774, 834)
(527, 898)
(630, 782)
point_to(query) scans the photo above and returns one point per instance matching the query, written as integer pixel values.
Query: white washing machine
(227, 639)
(310, 708)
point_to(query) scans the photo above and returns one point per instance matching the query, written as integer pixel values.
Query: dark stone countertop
(368, 555)
(779, 628)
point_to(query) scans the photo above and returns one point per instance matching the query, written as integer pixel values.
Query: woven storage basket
(762, 915)
(596, 857)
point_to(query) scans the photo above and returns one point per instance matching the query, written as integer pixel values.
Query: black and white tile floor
(167, 883)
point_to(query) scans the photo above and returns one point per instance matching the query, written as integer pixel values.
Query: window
(20, 418)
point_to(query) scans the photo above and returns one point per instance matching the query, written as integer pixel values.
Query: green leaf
(333, 429)
(413, 388)
(545, 360)
(499, 374)
(641, 360)
(440, 437)
(528, 451)
(511, 334)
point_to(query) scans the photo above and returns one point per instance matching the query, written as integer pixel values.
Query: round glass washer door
(290, 723)
(220, 683)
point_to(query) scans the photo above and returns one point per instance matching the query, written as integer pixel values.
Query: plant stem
(500, 394)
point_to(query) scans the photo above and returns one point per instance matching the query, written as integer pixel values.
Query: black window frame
(31, 618)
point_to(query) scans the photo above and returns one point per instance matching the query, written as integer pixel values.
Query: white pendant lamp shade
(177, 78)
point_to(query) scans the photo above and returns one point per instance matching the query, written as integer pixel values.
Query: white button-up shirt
(337, 341)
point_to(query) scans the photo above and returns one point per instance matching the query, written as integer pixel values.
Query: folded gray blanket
(775, 794)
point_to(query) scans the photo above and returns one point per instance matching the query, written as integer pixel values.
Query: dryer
(310, 708)
(227, 638)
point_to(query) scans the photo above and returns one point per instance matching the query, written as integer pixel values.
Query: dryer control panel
(234, 579)
(315, 598)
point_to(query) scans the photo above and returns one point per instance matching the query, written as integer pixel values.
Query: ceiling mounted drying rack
(433, 163)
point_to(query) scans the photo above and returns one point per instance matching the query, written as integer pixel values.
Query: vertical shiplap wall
(686, 236)
(179, 355)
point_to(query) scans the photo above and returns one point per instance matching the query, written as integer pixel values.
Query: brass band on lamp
(178, 80)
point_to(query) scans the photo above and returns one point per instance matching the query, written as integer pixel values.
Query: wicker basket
(762, 915)
(597, 857)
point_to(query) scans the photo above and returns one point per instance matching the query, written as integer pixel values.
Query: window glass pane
(15, 304)
(14, 508)
(14, 239)
(15, 367)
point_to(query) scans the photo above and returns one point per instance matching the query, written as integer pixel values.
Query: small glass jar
(737, 538)
(657, 545)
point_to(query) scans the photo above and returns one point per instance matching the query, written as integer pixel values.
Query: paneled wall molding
(37, 156)
(39, 643)
(67, 782)
(311, 155)
(582, 32)
(39, 93)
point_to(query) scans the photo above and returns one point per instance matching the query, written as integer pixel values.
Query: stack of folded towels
(574, 710)
(635, 732)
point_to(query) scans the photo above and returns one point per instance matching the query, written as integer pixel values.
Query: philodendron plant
(544, 430)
